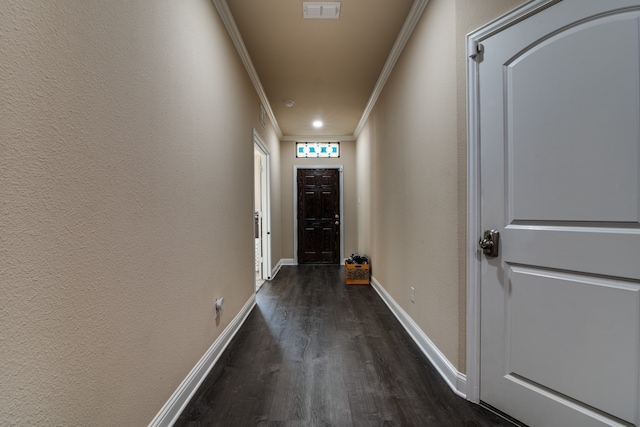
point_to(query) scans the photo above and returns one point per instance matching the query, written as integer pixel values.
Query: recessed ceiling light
(317, 124)
(289, 103)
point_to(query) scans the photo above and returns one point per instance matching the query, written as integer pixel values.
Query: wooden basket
(357, 274)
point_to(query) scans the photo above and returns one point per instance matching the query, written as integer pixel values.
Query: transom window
(317, 149)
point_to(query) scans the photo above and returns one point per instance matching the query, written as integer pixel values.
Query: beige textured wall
(364, 145)
(273, 143)
(411, 166)
(470, 15)
(126, 195)
(257, 203)
(347, 159)
(414, 204)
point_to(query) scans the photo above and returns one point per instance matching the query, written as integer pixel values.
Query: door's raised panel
(571, 113)
(326, 180)
(602, 251)
(311, 240)
(578, 335)
(328, 243)
(310, 205)
(328, 208)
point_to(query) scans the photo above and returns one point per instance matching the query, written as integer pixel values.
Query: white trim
(258, 141)
(276, 270)
(318, 138)
(295, 207)
(509, 19)
(172, 409)
(283, 261)
(473, 186)
(236, 37)
(457, 381)
(407, 29)
(266, 205)
(473, 231)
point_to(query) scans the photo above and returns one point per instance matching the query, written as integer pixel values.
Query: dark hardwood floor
(315, 352)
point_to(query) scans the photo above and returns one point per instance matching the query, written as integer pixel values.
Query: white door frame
(474, 53)
(295, 207)
(266, 206)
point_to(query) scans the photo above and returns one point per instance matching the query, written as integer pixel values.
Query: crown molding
(232, 29)
(407, 29)
(318, 138)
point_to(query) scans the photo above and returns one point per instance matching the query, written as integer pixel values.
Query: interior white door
(560, 154)
(257, 215)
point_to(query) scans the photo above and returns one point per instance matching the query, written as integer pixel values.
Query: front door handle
(490, 242)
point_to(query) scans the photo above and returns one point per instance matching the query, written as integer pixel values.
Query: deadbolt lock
(490, 242)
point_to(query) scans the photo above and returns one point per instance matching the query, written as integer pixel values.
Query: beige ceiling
(329, 67)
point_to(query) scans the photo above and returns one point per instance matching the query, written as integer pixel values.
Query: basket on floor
(357, 274)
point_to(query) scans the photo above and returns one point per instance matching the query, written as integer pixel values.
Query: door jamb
(295, 207)
(474, 223)
(266, 205)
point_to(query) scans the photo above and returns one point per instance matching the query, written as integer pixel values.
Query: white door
(560, 153)
(257, 214)
(262, 202)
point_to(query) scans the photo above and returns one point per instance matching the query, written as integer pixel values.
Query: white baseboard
(456, 380)
(275, 270)
(283, 261)
(171, 410)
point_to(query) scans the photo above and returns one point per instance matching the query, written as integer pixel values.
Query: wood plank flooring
(315, 352)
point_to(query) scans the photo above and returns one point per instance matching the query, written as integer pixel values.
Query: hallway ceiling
(329, 67)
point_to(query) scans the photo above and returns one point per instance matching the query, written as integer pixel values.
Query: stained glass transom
(317, 149)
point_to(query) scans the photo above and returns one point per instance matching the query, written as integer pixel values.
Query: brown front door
(318, 216)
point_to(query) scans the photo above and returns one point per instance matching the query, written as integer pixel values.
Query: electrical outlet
(413, 294)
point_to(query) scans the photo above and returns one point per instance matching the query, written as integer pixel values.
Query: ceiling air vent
(321, 9)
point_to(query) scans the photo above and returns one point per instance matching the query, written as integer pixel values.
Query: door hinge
(478, 52)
